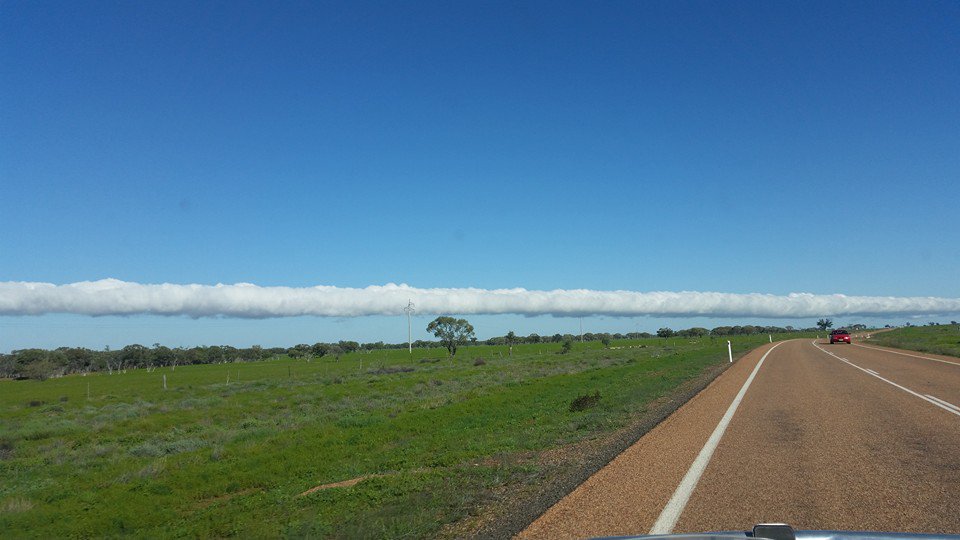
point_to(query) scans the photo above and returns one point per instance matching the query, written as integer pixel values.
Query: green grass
(942, 339)
(114, 455)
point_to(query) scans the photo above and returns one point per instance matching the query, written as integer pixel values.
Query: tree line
(43, 363)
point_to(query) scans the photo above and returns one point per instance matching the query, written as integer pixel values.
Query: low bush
(585, 402)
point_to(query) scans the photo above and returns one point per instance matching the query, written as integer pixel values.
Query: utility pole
(409, 310)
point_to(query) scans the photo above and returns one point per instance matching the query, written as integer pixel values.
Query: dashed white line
(671, 513)
(871, 371)
(907, 354)
(888, 381)
(944, 402)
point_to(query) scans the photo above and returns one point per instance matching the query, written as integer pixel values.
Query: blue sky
(736, 147)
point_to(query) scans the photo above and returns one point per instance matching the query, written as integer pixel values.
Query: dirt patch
(342, 483)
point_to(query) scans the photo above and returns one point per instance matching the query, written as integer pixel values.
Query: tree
(823, 324)
(567, 346)
(348, 346)
(451, 332)
(319, 349)
(665, 332)
(510, 338)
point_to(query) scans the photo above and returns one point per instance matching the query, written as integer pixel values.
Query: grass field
(942, 339)
(227, 450)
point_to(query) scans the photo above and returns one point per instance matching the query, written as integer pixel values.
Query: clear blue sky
(736, 147)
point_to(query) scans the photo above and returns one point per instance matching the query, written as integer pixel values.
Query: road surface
(845, 437)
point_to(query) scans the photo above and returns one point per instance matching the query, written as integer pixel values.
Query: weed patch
(390, 370)
(584, 402)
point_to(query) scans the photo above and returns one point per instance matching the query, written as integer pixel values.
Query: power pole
(409, 309)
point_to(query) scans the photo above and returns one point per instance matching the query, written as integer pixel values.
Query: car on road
(839, 336)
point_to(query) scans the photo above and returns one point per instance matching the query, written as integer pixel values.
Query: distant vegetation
(42, 364)
(934, 338)
(367, 443)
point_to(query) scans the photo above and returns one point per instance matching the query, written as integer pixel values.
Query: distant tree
(605, 339)
(335, 351)
(319, 349)
(557, 338)
(451, 332)
(8, 365)
(566, 347)
(823, 324)
(510, 338)
(665, 332)
(39, 370)
(349, 346)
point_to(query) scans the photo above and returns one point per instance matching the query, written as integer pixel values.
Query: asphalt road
(825, 436)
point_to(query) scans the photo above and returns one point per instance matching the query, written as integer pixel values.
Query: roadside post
(771, 337)
(730, 351)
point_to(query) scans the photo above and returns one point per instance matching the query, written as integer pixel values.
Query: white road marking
(947, 403)
(870, 370)
(671, 513)
(907, 354)
(888, 381)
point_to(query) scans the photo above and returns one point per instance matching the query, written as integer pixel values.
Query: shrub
(479, 362)
(585, 402)
(567, 347)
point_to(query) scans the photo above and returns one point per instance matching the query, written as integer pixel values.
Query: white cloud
(114, 297)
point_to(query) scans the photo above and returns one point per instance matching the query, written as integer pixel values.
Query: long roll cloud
(115, 297)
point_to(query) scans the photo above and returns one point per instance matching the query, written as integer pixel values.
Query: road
(845, 437)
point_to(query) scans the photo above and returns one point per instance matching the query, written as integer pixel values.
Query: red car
(839, 336)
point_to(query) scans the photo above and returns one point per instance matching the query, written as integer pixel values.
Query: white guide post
(730, 351)
(409, 309)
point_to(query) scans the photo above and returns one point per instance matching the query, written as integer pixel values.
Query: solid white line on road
(870, 370)
(947, 403)
(907, 354)
(671, 513)
(888, 381)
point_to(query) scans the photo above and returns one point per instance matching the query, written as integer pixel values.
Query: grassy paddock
(228, 449)
(942, 339)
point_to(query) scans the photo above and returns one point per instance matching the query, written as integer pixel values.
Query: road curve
(860, 439)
